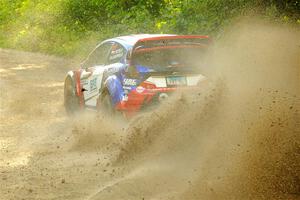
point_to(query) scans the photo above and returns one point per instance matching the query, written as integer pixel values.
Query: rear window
(165, 59)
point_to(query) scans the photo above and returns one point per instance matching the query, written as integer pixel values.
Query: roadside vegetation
(62, 27)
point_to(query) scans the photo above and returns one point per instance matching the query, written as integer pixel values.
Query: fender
(115, 89)
(70, 75)
(75, 77)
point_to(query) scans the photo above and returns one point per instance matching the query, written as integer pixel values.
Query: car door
(92, 74)
(116, 67)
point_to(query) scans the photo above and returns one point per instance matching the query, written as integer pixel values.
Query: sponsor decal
(140, 89)
(131, 82)
(126, 88)
(112, 70)
(116, 54)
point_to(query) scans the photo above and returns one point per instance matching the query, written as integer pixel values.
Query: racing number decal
(91, 87)
(93, 84)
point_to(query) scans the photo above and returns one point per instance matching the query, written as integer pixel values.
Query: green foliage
(64, 26)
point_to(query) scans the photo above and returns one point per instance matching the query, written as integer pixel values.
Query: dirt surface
(236, 139)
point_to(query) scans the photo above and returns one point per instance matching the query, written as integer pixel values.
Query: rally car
(130, 73)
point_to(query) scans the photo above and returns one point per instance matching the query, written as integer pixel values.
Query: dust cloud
(236, 138)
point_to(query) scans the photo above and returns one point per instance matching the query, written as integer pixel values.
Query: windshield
(169, 58)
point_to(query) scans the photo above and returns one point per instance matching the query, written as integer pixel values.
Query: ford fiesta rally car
(130, 73)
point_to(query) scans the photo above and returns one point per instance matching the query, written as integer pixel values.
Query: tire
(71, 101)
(106, 104)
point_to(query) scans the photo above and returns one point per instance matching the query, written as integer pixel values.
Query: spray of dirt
(236, 138)
(256, 141)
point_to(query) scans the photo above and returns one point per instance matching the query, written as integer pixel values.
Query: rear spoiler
(172, 41)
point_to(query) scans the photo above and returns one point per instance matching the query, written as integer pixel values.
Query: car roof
(130, 40)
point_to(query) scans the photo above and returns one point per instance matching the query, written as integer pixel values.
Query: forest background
(72, 27)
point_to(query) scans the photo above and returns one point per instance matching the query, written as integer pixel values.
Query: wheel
(106, 104)
(71, 101)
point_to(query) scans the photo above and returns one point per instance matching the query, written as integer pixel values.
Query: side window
(117, 54)
(99, 55)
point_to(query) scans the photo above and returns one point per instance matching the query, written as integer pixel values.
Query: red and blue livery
(131, 73)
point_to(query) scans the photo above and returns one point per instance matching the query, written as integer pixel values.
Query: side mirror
(84, 64)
